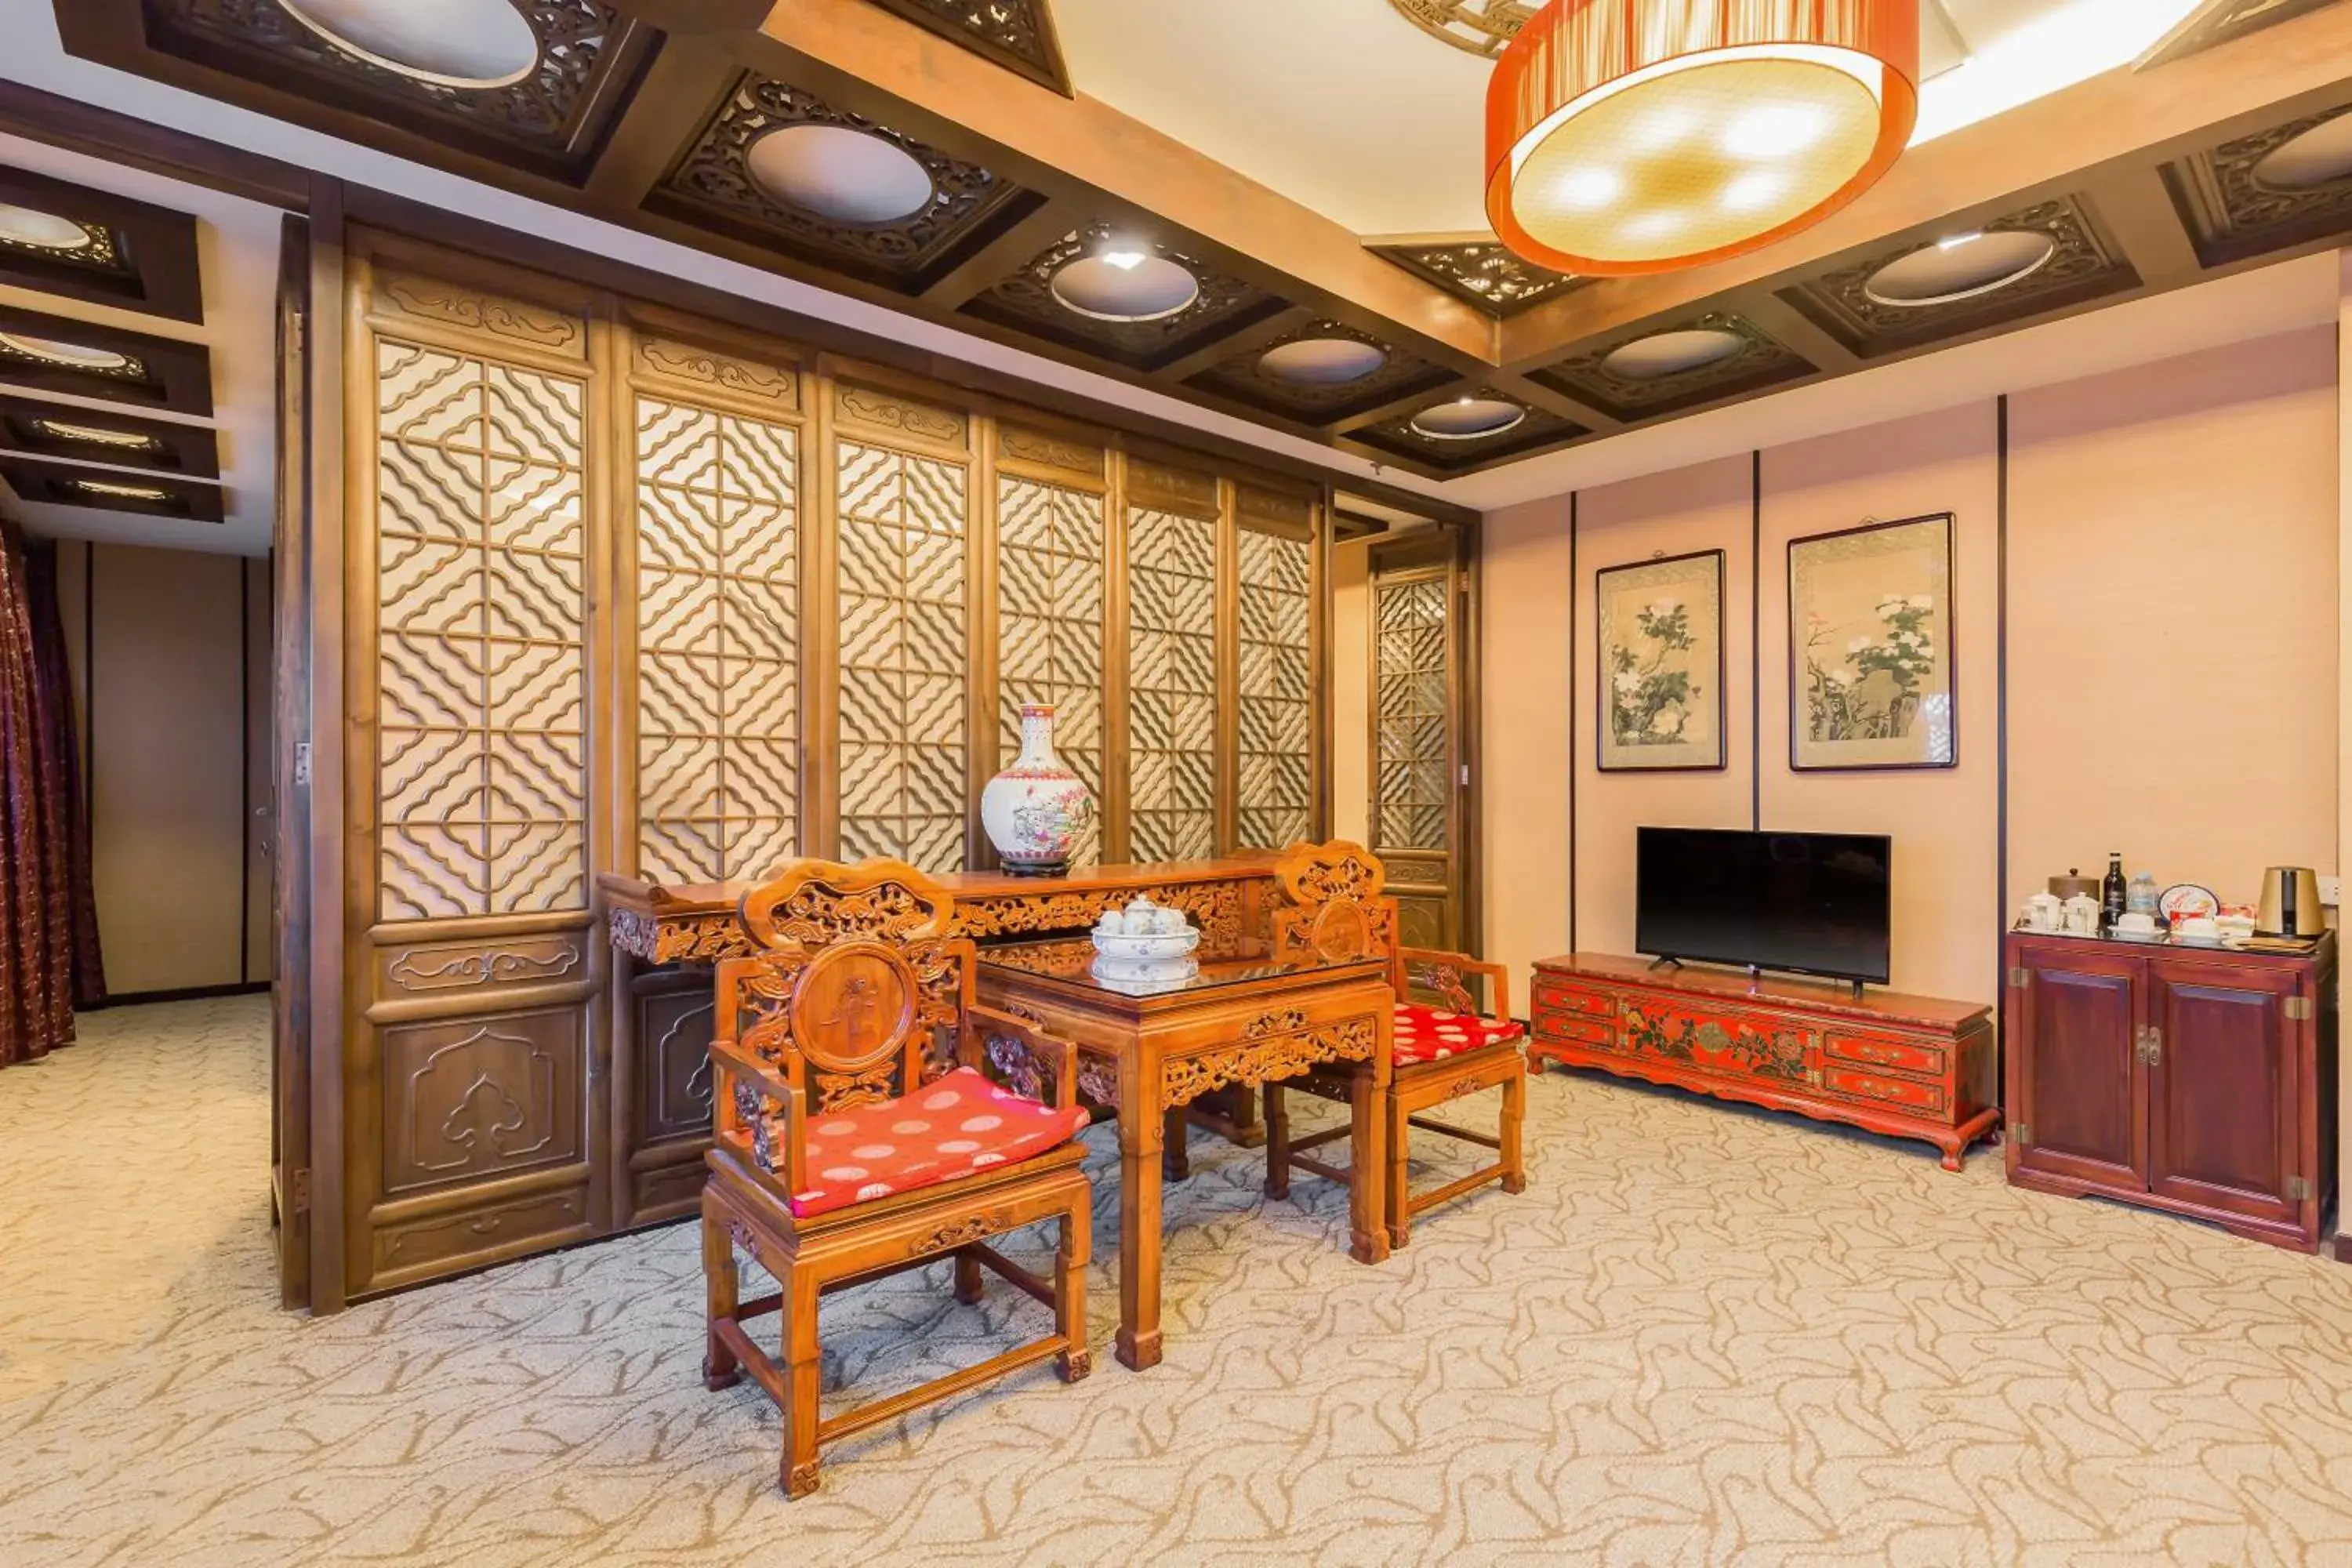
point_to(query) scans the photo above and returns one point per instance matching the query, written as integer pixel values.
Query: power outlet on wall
(2331, 890)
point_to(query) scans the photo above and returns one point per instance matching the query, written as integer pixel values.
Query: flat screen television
(1810, 903)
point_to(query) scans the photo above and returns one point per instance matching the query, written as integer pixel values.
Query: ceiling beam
(1535, 394)
(1005, 255)
(681, 87)
(1255, 336)
(1795, 331)
(2053, 145)
(1074, 145)
(2139, 211)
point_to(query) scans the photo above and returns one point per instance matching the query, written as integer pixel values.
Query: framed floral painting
(1661, 635)
(1872, 671)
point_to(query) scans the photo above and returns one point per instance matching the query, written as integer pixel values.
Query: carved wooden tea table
(1245, 1019)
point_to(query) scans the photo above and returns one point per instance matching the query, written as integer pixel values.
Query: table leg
(1141, 1123)
(1176, 1158)
(1367, 1157)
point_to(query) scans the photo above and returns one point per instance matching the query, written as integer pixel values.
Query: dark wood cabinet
(2199, 1081)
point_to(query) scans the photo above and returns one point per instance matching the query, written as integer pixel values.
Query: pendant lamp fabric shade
(1631, 136)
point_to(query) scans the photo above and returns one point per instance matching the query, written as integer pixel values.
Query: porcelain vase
(1036, 810)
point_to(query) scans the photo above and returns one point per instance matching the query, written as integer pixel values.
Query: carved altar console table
(665, 940)
(1244, 1021)
(1909, 1067)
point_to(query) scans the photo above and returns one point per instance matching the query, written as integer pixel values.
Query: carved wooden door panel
(2076, 1103)
(1419, 774)
(709, 666)
(475, 478)
(1278, 754)
(2223, 1095)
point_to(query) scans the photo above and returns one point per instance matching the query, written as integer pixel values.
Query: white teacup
(2138, 923)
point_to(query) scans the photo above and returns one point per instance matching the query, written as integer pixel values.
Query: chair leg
(1514, 1116)
(967, 1278)
(1277, 1143)
(800, 1367)
(1397, 1200)
(721, 1285)
(1070, 1261)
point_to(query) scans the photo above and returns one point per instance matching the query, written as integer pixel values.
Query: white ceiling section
(236, 245)
(1346, 107)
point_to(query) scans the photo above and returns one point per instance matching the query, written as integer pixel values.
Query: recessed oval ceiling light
(42, 231)
(1662, 354)
(473, 43)
(2320, 156)
(1322, 362)
(1468, 419)
(73, 356)
(850, 176)
(127, 492)
(93, 436)
(1126, 284)
(1960, 269)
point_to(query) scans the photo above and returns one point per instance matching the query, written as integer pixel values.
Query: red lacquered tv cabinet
(1910, 1066)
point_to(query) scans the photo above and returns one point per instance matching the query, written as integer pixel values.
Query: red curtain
(48, 925)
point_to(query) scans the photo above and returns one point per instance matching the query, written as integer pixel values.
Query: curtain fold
(53, 687)
(38, 810)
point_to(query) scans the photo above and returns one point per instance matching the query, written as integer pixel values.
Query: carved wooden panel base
(1905, 1067)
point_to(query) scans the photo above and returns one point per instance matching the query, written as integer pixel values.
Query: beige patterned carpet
(1703, 1336)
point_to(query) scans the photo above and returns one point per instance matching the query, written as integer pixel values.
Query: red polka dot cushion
(944, 1130)
(1428, 1035)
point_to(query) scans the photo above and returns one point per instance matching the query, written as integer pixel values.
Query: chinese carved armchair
(1332, 904)
(857, 1136)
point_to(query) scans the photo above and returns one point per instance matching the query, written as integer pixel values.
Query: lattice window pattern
(1050, 551)
(1411, 660)
(718, 644)
(481, 670)
(903, 663)
(1275, 692)
(1172, 686)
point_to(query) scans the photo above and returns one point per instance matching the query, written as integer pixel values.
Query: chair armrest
(1443, 973)
(1024, 1052)
(760, 1093)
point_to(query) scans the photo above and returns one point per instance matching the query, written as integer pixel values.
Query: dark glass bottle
(2114, 891)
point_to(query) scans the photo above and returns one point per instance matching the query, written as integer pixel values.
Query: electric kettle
(2291, 902)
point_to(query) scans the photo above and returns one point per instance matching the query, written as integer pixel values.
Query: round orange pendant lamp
(1627, 136)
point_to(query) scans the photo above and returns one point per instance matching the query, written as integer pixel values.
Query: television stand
(1909, 1066)
(1658, 964)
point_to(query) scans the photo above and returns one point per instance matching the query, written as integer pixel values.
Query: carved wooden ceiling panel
(1016, 33)
(1026, 301)
(39, 482)
(74, 434)
(555, 115)
(1483, 274)
(1481, 26)
(1400, 438)
(43, 354)
(2221, 22)
(2084, 263)
(1245, 378)
(712, 185)
(129, 255)
(2234, 213)
(1761, 361)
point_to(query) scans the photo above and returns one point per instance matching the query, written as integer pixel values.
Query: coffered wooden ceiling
(2230, 146)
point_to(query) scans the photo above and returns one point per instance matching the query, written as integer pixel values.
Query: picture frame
(1658, 640)
(1874, 661)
